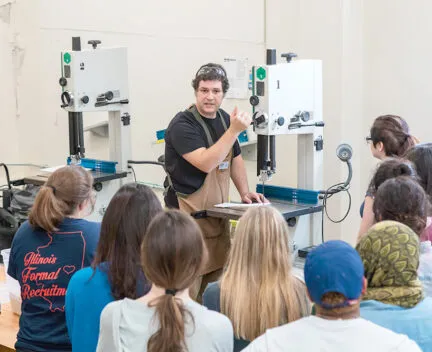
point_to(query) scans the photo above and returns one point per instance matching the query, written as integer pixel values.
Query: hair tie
(53, 188)
(171, 291)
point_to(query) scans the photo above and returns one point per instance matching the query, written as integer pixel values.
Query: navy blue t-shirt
(43, 263)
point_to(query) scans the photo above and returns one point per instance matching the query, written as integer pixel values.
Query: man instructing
(201, 155)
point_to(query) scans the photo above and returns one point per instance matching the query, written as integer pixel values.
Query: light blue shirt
(414, 322)
(425, 268)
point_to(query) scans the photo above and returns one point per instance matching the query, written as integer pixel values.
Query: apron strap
(210, 141)
(222, 120)
(199, 119)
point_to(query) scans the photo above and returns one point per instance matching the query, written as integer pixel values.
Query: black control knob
(289, 56)
(254, 100)
(280, 121)
(94, 43)
(109, 95)
(62, 81)
(292, 222)
(85, 99)
(259, 118)
(67, 99)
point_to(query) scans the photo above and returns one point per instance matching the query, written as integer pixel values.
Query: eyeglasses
(206, 91)
(368, 139)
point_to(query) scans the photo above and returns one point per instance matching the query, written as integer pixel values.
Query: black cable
(7, 175)
(141, 162)
(337, 188)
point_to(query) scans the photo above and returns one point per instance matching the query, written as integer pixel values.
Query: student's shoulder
(212, 289)
(84, 275)
(212, 320)
(112, 309)
(380, 333)
(23, 230)
(91, 225)
(91, 229)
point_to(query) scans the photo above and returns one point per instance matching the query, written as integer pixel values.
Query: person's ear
(380, 147)
(364, 286)
(83, 205)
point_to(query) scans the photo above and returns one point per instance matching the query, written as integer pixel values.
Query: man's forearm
(207, 159)
(239, 175)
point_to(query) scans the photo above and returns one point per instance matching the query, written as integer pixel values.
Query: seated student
(389, 138)
(47, 250)
(394, 298)
(334, 279)
(116, 271)
(421, 157)
(389, 168)
(166, 319)
(404, 200)
(257, 290)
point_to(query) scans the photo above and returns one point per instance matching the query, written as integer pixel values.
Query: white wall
(375, 60)
(397, 61)
(9, 149)
(332, 32)
(167, 42)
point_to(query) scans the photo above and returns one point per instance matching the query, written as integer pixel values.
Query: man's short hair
(211, 72)
(334, 267)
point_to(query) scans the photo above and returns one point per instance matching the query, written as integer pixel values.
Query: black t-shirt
(184, 135)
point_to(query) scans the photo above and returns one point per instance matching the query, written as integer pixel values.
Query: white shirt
(126, 326)
(316, 334)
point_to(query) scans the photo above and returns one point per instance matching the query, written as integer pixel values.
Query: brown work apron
(214, 190)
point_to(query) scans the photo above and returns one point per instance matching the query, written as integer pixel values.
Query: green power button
(67, 58)
(261, 73)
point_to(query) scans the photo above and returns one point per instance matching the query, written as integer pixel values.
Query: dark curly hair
(402, 199)
(393, 132)
(211, 72)
(421, 157)
(391, 168)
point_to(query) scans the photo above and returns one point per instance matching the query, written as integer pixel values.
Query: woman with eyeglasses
(46, 251)
(389, 137)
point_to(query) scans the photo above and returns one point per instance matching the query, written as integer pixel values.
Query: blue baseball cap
(334, 266)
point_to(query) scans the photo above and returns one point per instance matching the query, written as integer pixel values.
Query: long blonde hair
(258, 291)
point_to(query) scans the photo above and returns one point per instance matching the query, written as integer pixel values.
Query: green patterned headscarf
(390, 254)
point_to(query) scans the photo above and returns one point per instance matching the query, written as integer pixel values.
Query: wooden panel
(9, 322)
